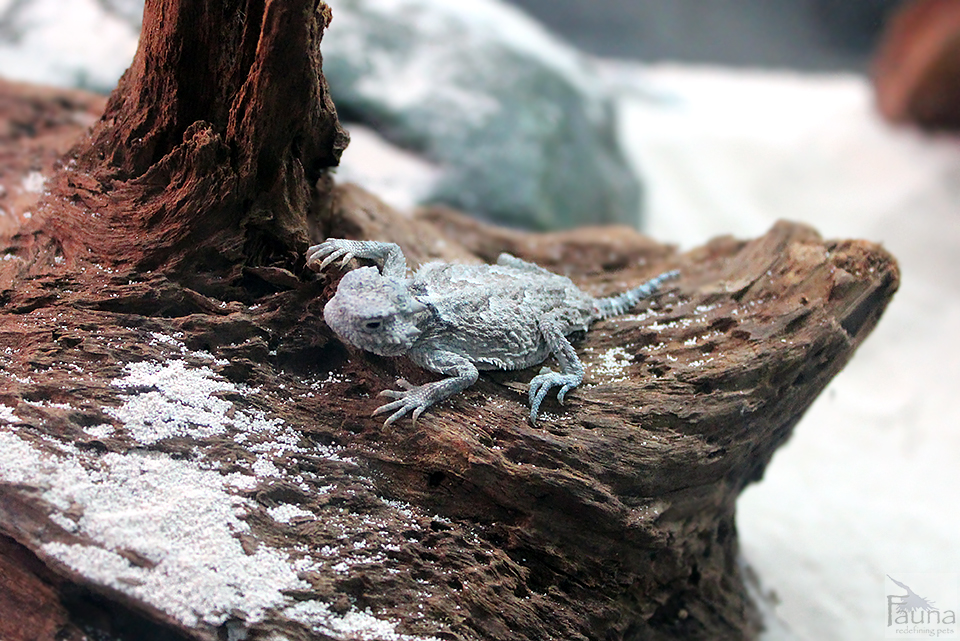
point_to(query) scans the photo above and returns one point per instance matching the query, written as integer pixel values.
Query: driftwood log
(187, 452)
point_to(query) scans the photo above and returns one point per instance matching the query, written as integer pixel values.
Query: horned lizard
(458, 319)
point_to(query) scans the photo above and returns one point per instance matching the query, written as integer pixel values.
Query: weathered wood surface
(185, 448)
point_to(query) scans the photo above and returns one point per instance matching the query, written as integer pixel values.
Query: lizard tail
(621, 303)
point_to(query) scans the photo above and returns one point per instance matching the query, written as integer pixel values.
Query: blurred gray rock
(523, 131)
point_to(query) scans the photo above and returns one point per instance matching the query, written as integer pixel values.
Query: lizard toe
(563, 392)
(541, 385)
(412, 398)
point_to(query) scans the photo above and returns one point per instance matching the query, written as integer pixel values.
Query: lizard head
(374, 313)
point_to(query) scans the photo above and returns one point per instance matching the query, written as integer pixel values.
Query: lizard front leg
(571, 369)
(462, 374)
(388, 256)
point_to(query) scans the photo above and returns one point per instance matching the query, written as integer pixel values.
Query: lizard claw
(320, 256)
(412, 397)
(334, 256)
(541, 385)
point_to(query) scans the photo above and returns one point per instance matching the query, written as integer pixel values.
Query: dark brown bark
(176, 228)
(210, 150)
(30, 597)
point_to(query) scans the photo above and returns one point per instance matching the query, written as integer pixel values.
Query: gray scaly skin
(458, 319)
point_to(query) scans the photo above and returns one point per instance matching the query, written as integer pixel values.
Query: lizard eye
(374, 324)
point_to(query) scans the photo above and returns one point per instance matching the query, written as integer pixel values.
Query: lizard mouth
(395, 343)
(385, 348)
(386, 340)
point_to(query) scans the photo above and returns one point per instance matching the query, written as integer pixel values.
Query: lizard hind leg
(543, 382)
(571, 369)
